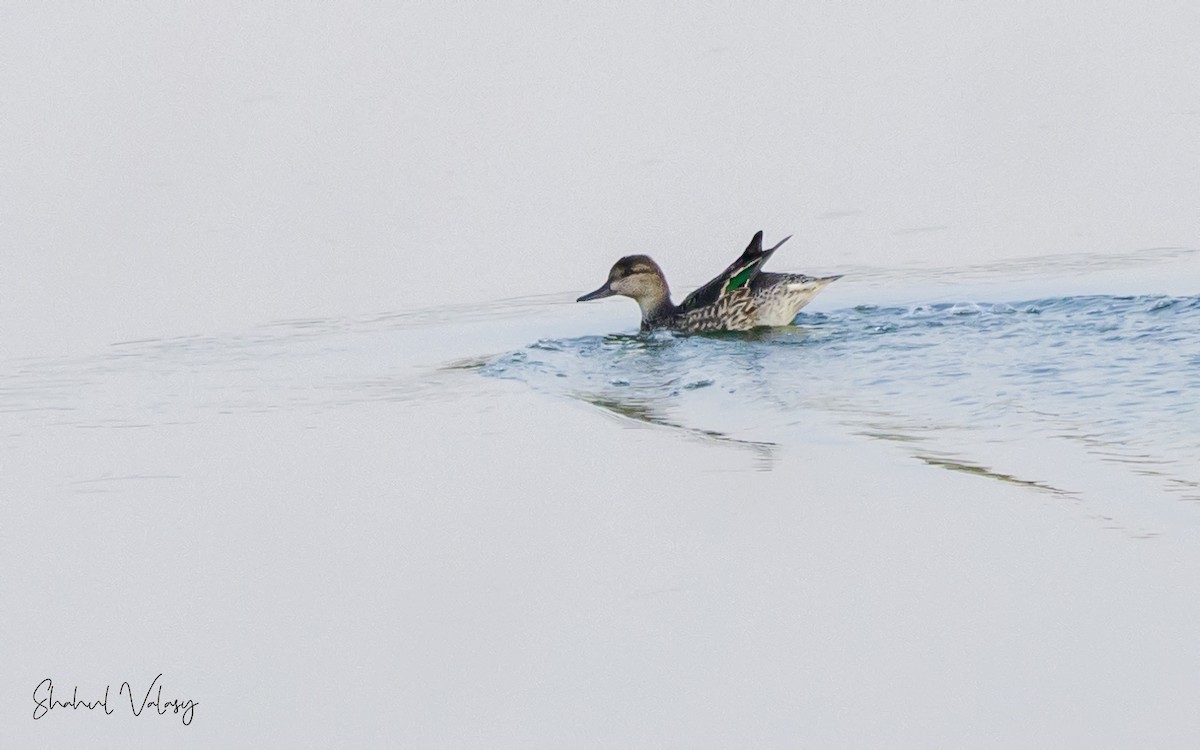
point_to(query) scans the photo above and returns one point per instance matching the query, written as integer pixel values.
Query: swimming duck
(741, 298)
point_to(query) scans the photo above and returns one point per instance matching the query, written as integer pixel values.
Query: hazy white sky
(204, 167)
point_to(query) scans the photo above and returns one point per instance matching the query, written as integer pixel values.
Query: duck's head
(635, 276)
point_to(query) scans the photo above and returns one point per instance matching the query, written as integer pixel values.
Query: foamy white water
(297, 412)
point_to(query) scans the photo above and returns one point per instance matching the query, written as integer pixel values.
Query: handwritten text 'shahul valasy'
(45, 700)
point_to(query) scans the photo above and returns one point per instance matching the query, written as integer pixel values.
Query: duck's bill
(600, 293)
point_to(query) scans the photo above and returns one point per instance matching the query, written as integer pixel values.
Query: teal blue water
(1030, 391)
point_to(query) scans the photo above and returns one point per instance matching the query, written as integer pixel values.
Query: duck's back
(742, 297)
(778, 297)
(734, 311)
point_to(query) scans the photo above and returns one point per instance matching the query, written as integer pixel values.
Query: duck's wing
(740, 273)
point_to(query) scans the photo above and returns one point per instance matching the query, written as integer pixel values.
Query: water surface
(1082, 396)
(1087, 396)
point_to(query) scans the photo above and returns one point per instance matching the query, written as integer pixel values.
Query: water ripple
(1113, 378)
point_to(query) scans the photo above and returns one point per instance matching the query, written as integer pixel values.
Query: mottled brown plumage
(740, 298)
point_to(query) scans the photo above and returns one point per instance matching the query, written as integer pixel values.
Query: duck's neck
(657, 306)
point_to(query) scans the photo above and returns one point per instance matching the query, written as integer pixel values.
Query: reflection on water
(952, 464)
(1096, 381)
(648, 412)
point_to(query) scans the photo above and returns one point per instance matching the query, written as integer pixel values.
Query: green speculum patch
(740, 279)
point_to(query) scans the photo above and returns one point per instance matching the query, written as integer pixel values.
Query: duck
(741, 298)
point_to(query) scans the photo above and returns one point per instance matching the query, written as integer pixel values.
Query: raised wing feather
(740, 273)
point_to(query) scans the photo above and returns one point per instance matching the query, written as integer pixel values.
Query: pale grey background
(185, 167)
(452, 567)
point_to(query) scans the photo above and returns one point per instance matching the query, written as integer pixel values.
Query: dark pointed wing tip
(755, 246)
(780, 243)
